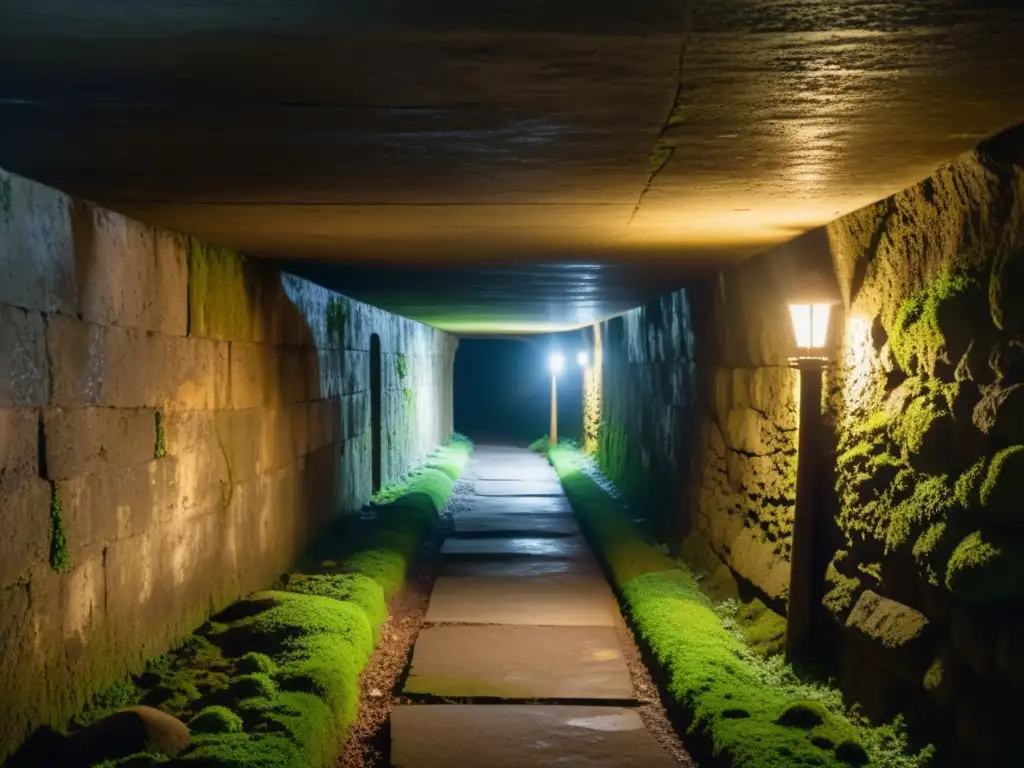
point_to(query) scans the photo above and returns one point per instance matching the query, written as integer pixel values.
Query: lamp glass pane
(801, 316)
(819, 325)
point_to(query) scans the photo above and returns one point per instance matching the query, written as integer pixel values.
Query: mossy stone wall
(923, 544)
(929, 434)
(648, 389)
(176, 422)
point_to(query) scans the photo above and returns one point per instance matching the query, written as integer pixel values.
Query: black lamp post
(810, 326)
(556, 363)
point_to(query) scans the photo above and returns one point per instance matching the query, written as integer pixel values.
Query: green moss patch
(273, 680)
(160, 449)
(747, 710)
(920, 333)
(60, 557)
(334, 320)
(986, 568)
(843, 589)
(999, 492)
(216, 719)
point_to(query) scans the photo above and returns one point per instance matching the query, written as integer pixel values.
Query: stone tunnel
(261, 264)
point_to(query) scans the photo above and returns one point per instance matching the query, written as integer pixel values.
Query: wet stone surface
(439, 736)
(520, 614)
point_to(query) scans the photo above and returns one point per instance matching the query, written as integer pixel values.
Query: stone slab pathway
(520, 662)
(517, 736)
(520, 614)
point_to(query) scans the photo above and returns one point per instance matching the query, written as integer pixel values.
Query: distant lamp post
(584, 361)
(556, 363)
(810, 327)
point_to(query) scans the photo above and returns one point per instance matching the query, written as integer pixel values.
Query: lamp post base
(801, 609)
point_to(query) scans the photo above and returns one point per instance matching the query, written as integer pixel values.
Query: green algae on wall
(60, 556)
(927, 407)
(221, 294)
(160, 449)
(900, 477)
(334, 320)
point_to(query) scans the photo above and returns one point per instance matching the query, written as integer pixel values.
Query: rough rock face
(927, 403)
(648, 357)
(926, 400)
(130, 731)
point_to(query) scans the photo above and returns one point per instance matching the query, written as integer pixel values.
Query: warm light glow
(556, 362)
(582, 359)
(810, 324)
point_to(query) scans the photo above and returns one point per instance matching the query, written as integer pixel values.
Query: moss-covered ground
(273, 680)
(744, 710)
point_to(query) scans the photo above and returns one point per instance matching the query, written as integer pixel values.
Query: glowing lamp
(810, 325)
(582, 359)
(556, 362)
(809, 309)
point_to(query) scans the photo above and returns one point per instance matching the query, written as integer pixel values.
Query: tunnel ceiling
(500, 165)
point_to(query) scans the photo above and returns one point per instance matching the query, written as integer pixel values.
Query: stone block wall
(922, 555)
(176, 423)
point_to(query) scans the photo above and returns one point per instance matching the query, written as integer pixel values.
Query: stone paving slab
(520, 505)
(543, 600)
(483, 521)
(511, 662)
(518, 546)
(519, 567)
(546, 487)
(516, 736)
(514, 470)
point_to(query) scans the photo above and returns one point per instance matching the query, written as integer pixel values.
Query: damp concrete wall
(176, 423)
(921, 587)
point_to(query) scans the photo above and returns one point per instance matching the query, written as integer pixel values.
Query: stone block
(128, 368)
(742, 429)
(892, 625)
(129, 274)
(81, 357)
(357, 372)
(24, 370)
(190, 430)
(229, 296)
(37, 264)
(310, 361)
(298, 429)
(83, 605)
(755, 559)
(240, 436)
(25, 520)
(159, 584)
(194, 373)
(19, 674)
(330, 373)
(83, 441)
(355, 415)
(253, 380)
(19, 445)
(102, 508)
(321, 423)
(356, 472)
